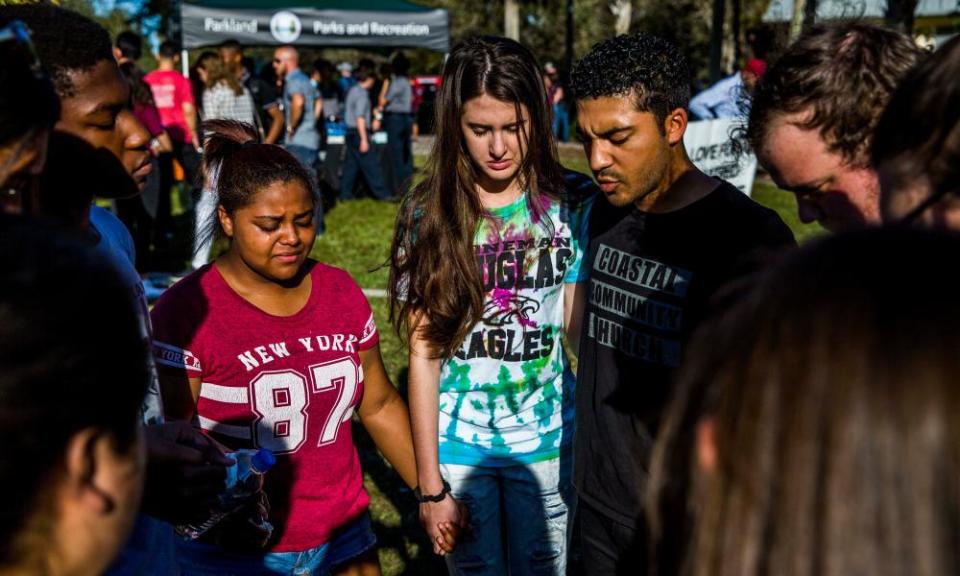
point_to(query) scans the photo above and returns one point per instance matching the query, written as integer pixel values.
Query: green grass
(785, 204)
(358, 240)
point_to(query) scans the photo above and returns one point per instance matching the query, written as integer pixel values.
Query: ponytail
(236, 165)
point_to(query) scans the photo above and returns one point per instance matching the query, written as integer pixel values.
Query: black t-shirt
(264, 97)
(651, 278)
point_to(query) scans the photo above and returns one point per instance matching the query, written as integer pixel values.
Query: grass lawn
(358, 240)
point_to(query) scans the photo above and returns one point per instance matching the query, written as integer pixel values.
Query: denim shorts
(206, 560)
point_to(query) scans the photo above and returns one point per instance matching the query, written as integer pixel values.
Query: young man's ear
(674, 126)
(84, 471)
(225, 221)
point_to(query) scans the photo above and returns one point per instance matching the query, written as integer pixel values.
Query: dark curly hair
(844, 75)
(65, 40)
(648, 67)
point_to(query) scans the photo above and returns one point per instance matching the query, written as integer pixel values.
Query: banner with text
(206, 26)
(710, 147)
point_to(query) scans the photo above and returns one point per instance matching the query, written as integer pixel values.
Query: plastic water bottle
(243, 482)
(245, 478)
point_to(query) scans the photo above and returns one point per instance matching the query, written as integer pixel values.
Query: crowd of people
(738, 405)
(298, 107)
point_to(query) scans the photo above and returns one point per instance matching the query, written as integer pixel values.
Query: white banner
(709, 145)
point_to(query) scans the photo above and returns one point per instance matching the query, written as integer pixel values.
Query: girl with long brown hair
(485, 267)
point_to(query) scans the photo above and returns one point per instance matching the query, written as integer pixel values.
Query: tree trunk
(716, 40)
(511, 19)
(568, 44)
(900, 15)
(735, 33)
(796, 22)
(623, 11)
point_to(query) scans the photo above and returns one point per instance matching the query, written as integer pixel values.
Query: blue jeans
(151, 550)
(308, 157)
(198, 559)
(399, 128)
(561, 123)
(355, 162)
(519, 517)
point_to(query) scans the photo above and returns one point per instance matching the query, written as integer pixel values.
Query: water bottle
(244, 480)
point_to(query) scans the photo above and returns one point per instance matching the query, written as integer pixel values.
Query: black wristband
(421, 497)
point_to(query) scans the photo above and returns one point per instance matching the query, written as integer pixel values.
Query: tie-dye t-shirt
(506, 396)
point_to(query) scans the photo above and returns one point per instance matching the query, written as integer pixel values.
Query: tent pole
(184, 62)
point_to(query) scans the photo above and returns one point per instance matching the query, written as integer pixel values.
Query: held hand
(246, 529)
(364, 146)
(185, 471)
(452, 532)
(448, 516)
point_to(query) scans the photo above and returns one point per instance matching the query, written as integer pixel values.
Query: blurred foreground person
(103, 147)
(916, 147)
(813, 113)
(72, 464)
(819, 417)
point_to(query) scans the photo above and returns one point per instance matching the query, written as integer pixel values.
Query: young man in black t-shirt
(662, 242)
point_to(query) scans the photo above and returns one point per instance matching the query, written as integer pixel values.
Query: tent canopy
(380, 23)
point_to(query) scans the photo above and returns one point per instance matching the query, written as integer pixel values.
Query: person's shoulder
(732, 198)
(577, 196)
(332, 277)
(579, 188)
(188, 297)
(107, 224)
(748, 217)
(340, 284)
(299, 81)
(180, 78)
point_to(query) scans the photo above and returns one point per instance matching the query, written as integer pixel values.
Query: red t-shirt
(170, 90)
(288, 384)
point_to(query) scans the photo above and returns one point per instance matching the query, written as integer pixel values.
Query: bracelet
(422, 498)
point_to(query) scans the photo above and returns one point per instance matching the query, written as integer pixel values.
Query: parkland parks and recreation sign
(371, 23)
